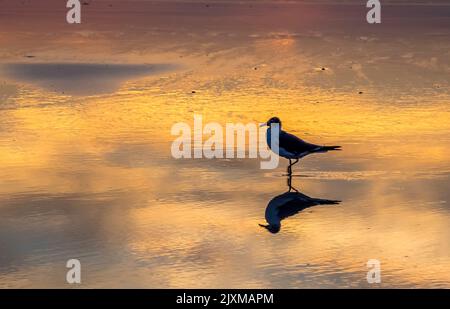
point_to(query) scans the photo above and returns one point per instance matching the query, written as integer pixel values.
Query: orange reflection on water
(92, 176)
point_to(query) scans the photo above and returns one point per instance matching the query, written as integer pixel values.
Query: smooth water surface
(86, 170)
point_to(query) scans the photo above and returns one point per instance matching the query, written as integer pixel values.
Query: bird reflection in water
(289, 204)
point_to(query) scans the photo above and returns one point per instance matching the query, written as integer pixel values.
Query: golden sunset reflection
(92, 176)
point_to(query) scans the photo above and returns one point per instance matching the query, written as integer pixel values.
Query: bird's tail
(328, 148)
(326, 202)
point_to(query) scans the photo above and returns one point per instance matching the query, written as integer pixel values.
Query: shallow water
(89, 175)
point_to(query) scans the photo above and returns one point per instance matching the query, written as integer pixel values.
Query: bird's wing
(294, 144)
(293, 207)
(301, 203)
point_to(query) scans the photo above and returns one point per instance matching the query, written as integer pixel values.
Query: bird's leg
(290, 166)
(289, 171)
(291, 187)
(289, 182)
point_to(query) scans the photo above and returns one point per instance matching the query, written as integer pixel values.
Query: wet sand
(89, 175)
(79, 79)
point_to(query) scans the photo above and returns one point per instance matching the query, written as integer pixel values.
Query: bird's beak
(263, 124)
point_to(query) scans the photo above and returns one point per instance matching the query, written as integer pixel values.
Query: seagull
(290, 146)
(289, 204)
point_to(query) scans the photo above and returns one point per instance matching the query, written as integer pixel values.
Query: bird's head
(274, 120)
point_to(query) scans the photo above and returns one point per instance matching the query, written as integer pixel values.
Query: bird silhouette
(288, 204)
(290, 146)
